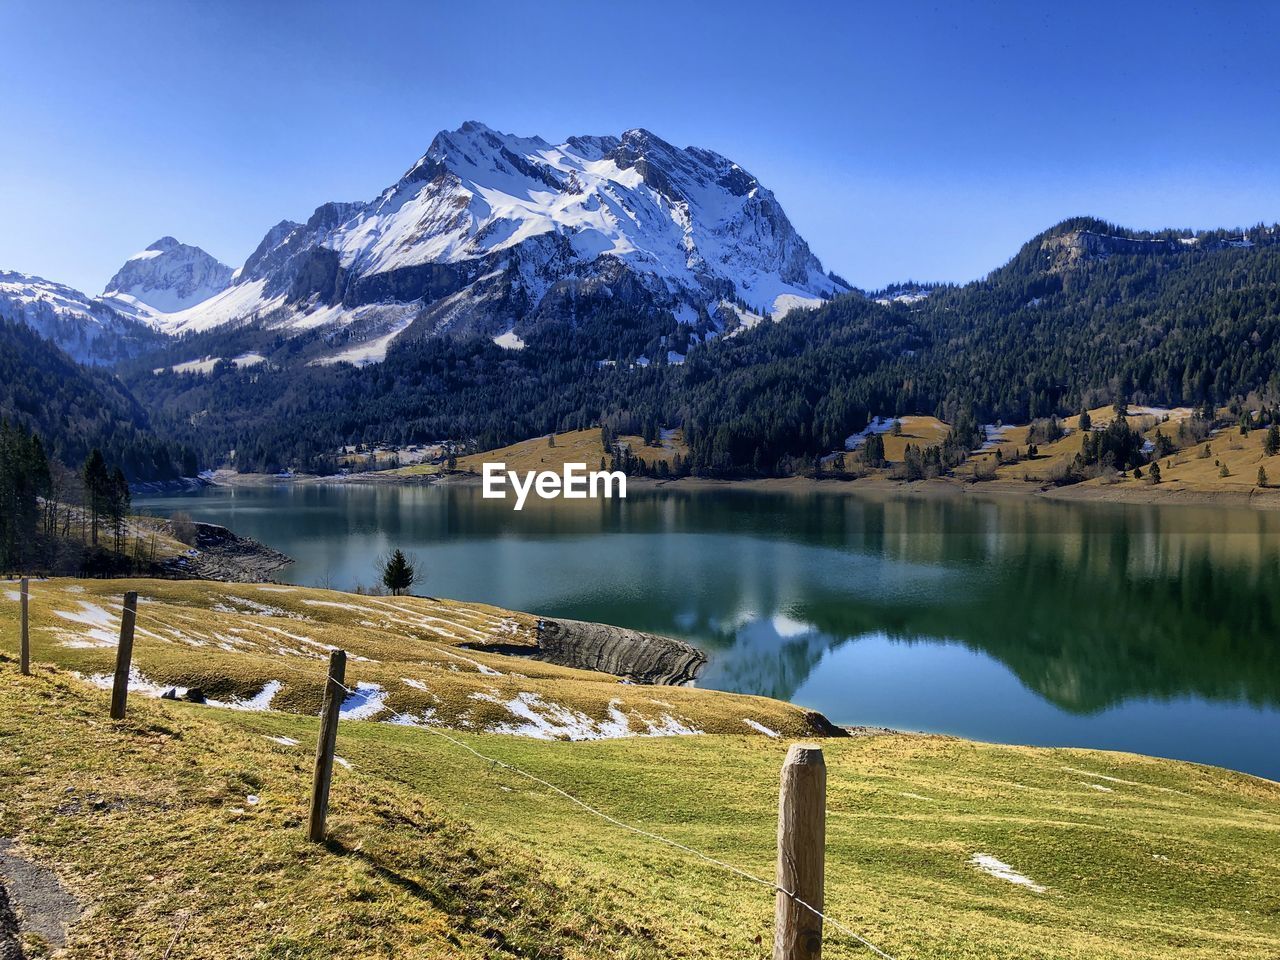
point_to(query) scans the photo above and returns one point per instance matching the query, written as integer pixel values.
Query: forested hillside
(1084, 314)
(1071, 322)
(75, 409)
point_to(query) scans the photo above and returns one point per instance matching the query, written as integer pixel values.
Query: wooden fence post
(334, 692)
(124, 656)
(24, 651)
(802, 836)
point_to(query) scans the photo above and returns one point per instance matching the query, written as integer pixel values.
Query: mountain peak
(166, 277)
(488, 230)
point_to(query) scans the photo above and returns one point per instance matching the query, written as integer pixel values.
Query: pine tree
(98, 492)
(1086, 421)
(398, 574)
(1262, 476)
(1154, 472)
(118, 501)
(1271, 444)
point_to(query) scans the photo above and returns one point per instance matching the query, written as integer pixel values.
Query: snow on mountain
(87, 329)
(165, 278)
(487, 233)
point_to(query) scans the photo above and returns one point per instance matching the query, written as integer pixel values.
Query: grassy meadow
(181, 828)
(422, 657)
(573, 446)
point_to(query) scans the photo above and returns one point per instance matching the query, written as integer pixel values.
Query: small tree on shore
(1262, 476)
(398, 574)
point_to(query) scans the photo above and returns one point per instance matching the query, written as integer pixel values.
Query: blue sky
(905, 140)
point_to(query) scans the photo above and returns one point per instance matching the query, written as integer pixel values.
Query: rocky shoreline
(630, 654)
(219, 554)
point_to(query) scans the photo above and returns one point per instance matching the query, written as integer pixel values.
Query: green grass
(230, 640)
(435, 853)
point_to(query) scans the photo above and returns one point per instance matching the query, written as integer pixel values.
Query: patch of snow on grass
(368, 700)
(342, 762)
(480, 667)
(543, 720)
(137, 683)
(670, 727)
(14, 595)
(1127, 783)
(427, 718)
(284, 741)
(259, 702)
(103, 627)
(416, 684)
(995, 435)
(877, 425)
(1099, 787)
(1002, 871)
(761, 728)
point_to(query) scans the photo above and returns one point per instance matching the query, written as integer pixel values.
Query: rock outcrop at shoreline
(631, 654)
(637, 656)
(219, 554)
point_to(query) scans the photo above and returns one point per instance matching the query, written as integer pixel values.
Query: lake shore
(1124, 492)
(949, 487)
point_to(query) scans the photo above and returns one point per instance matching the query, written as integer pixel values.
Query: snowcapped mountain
(166, 277)
(489, 233)
(87, 329)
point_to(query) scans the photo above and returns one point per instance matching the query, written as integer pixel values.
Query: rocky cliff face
(1064, 251)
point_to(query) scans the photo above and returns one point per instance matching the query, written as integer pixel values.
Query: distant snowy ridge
(84, 327)
(165, 278)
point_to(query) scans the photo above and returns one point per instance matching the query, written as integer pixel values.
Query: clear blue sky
(904, 140)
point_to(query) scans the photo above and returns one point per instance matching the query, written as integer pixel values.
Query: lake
(1150, 629)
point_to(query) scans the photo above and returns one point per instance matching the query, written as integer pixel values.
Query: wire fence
(632, 828)
(588, 808)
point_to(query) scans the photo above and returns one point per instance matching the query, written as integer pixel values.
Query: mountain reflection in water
(1140, 628)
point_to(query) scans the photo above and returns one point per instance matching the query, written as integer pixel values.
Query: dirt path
(32, 901)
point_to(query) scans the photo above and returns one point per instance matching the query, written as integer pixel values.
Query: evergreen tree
(1271, 443)
(398, 574)
(873, 451)
(1262, 476)
(98, 491)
